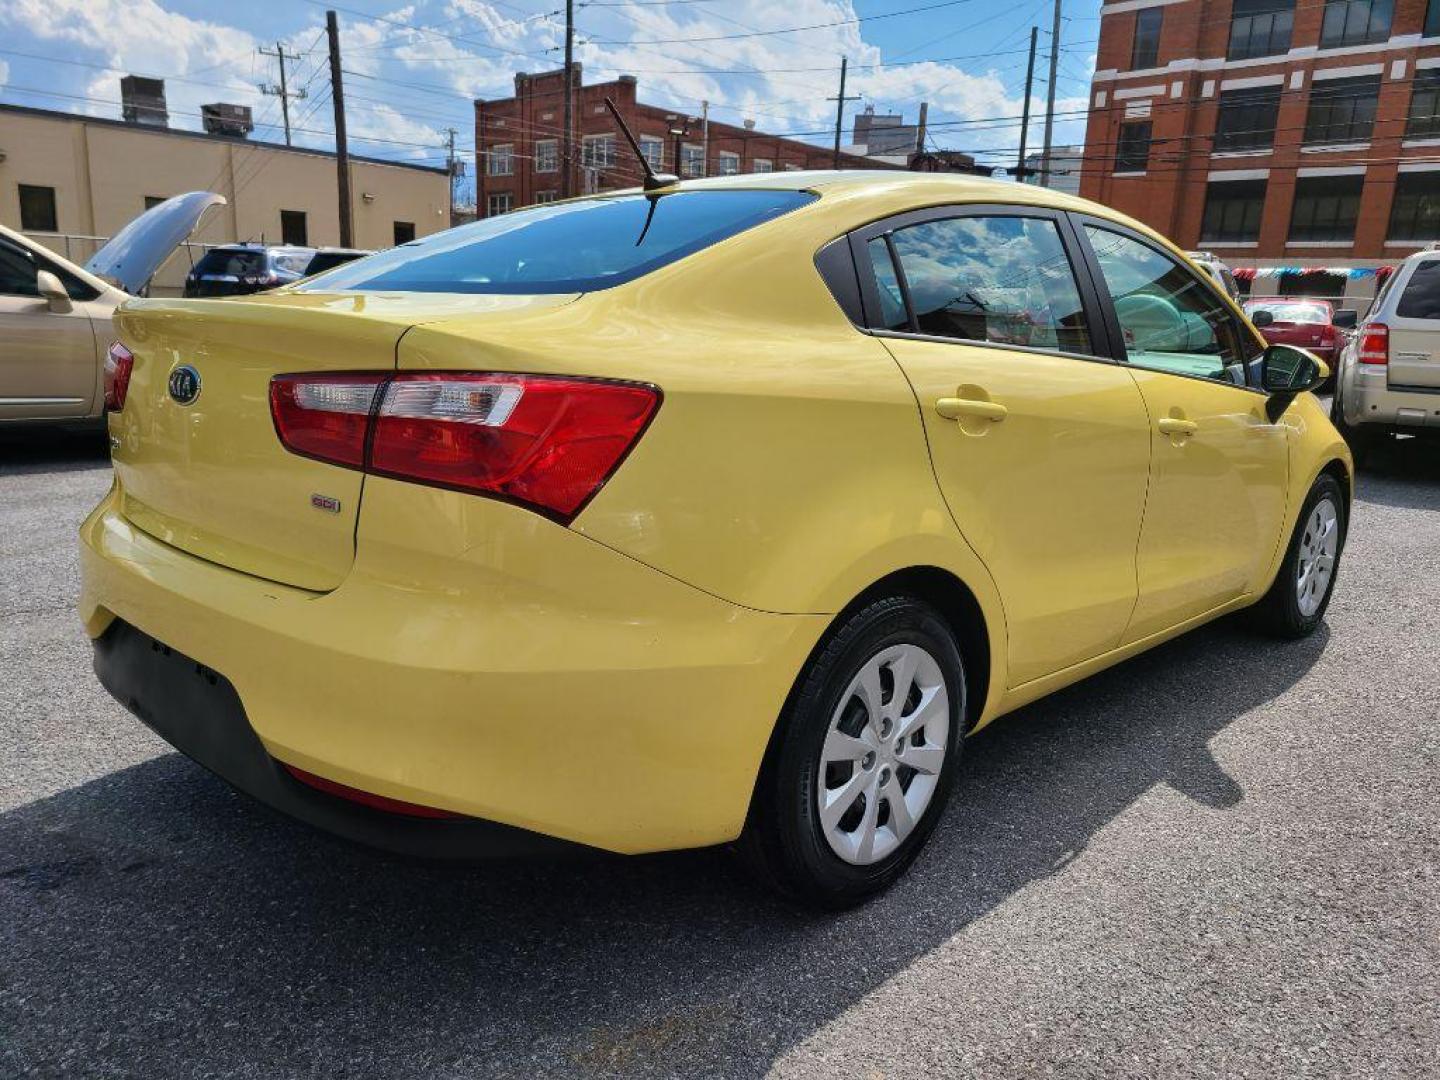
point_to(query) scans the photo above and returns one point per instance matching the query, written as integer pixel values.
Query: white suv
(1389, 374)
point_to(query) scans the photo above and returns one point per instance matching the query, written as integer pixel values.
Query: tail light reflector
(119, 363)
(325, 416)
(1374, 344)
(547, 442)
(368, 798)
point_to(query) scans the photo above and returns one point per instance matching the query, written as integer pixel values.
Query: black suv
(236, 269)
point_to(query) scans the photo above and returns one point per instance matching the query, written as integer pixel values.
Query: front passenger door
(1219, 467)
(47, 360)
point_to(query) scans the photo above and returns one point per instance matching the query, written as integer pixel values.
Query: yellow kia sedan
(719, 512)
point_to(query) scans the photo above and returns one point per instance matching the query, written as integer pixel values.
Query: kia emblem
(184, 385)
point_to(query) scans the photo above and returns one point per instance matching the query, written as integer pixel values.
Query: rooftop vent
(142, 101)
(225, 119)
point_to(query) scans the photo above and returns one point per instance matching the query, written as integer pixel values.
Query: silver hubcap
(883, 753)
(1319, 544)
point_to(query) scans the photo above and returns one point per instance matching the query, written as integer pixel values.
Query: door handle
(1173, 425)
(954, 408)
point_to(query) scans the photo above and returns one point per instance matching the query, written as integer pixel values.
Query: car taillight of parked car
(546, 442)
(1374, 344)
(119, 362)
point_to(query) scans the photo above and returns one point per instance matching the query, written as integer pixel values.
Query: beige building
(70, 182)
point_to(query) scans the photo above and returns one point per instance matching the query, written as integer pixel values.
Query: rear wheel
(1363, 439)
(1297, 600)
(864, 759)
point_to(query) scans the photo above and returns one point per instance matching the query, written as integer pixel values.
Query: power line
(791, 29)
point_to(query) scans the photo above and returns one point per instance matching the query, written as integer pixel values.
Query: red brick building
(1271, 132)
(519, 146)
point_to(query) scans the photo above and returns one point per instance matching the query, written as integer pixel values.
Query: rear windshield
(1421, 298)
(1292, 313)
(567, 247)
(221, 261)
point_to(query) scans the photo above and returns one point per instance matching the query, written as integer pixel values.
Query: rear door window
(566, 247)
(998, 278)
(1421, 298)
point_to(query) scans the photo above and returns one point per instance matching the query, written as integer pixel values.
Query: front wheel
(1297, 600)
(864, 758)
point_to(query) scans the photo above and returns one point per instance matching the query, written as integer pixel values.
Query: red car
(1293, 320)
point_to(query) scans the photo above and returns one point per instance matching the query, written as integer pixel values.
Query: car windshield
(1291, 313)
(1421, 298)
(566, 247)
(232, 262)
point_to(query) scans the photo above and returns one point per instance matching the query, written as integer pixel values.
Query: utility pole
(704, 138)
(1050, 97)
(920, 127)
(282, 91)
(1025, 112)
(450, 171)
(840, 108)
(567, 143)
(342, 145)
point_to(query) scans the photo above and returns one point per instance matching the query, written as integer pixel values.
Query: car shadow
(1404, 474)
(28, 448)
(160, 924)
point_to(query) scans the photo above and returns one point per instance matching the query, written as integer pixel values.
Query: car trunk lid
(210, 476)
(1415, 329)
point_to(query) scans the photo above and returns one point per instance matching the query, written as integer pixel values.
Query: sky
(413, 68)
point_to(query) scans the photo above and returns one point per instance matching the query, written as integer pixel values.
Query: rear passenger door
(1040, 442)
(1219, 466)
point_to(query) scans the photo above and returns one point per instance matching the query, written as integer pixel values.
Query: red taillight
(548, 442)
(1374, 344)
(368, 798)
(325, 416)
(119, 363)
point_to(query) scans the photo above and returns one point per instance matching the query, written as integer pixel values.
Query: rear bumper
(197, 711)
(536, 679)
(1367, 398)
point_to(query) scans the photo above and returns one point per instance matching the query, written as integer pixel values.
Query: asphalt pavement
(1216, 860)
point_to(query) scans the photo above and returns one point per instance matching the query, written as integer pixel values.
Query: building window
(404, 232)
(1342, 110)
(653, 148)
(152, 201)
(692, 160)
(1356, 22)
(37, 209)
(1246, 120)
(1260, 28)
(1145, 53)
(499, 203)
(1232, 211)
(500, 161)
(1415, 213)
(547, 155)
(543, 197)
(1424, 122)
(1132, 152)
(1325, 208)
(598, 152)
(728, 164)
(1432, 20)
(292, 228)
(763, 164)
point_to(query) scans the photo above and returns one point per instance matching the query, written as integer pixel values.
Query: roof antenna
(653, 179)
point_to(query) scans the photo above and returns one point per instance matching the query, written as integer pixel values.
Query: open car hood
(137, 251)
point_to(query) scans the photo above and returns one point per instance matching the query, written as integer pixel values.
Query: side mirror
(1262, 318)
(1284, 369)
(1345, 318)
(52, 292)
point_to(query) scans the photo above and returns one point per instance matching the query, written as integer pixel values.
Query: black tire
(784, 843)
(1363, 439)
(1279, 614)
